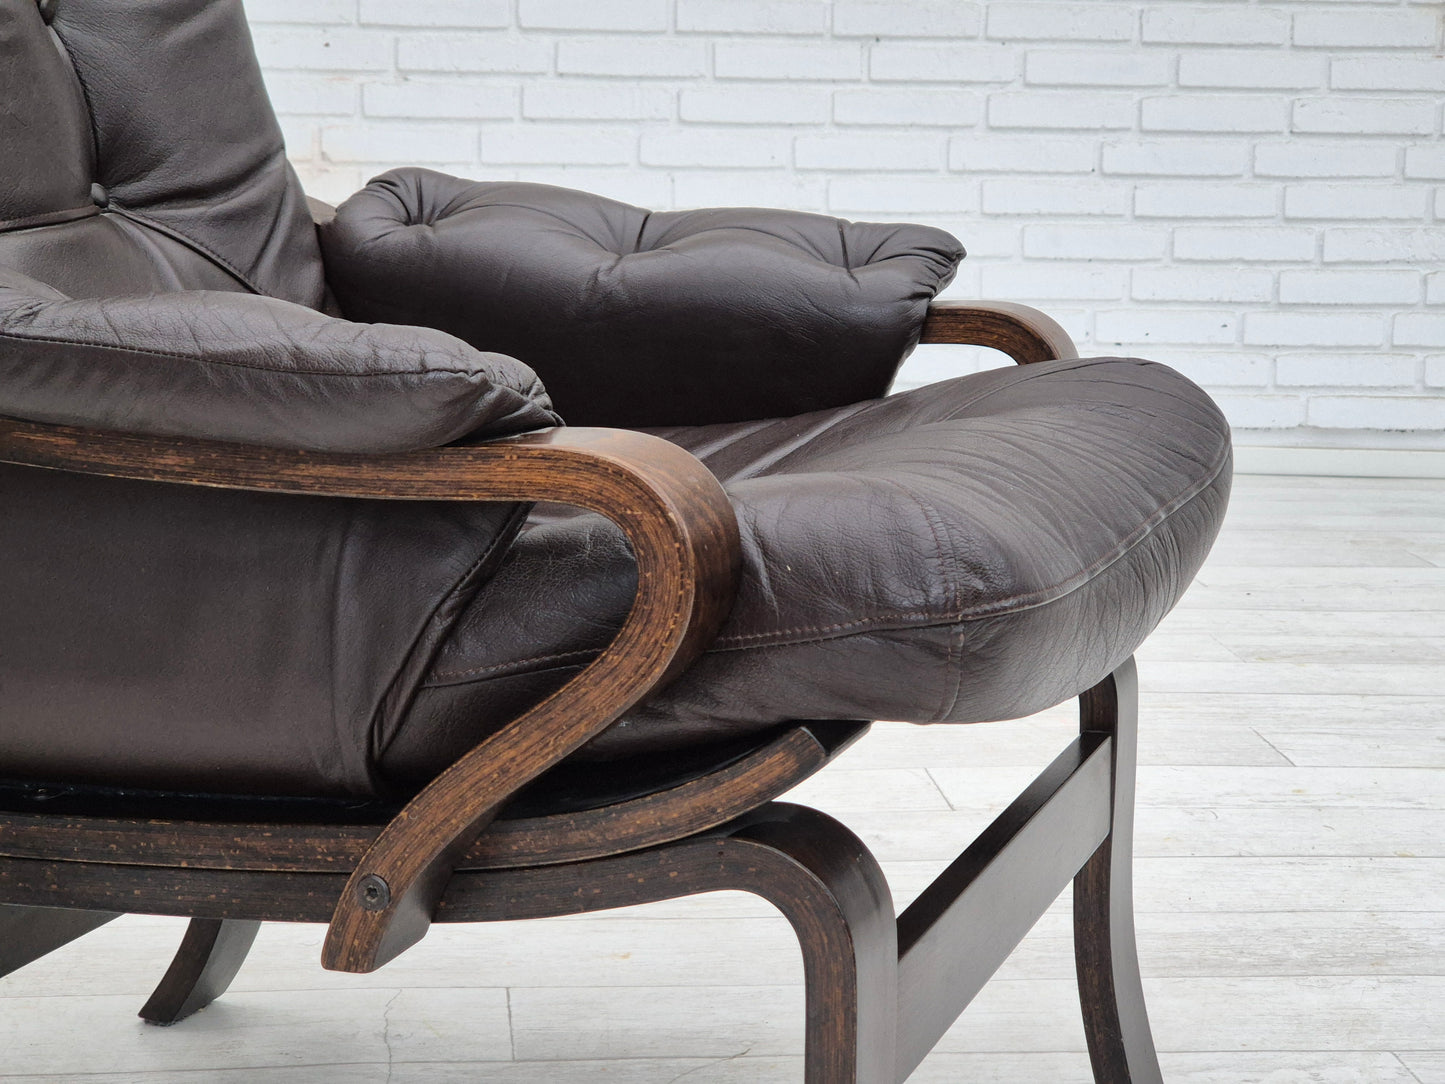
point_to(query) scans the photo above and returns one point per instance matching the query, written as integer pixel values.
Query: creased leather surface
(639, 318)
(44, 127)
(977, 549)
(108, 255)
(251, 369)
(186, 140)
(212, 641)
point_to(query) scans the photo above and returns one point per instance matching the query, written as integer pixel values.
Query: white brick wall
(1250, 190)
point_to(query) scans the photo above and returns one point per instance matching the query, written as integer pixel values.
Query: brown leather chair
(312, 610)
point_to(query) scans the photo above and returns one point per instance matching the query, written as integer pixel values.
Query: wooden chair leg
(28, 933)
(812, 868)
(209, 957)
(1116, 1021)
(831, 889)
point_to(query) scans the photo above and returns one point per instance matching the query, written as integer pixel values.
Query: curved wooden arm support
(685, 540)
(1024, 334)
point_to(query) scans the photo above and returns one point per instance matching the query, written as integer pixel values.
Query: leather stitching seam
(190, 242)
(996, 607)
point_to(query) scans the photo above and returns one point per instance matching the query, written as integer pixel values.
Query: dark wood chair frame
(880, 991)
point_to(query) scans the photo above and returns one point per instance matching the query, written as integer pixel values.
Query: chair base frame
(880, 992)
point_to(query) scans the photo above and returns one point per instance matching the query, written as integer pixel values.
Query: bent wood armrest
(685, 540)
(1023, 333)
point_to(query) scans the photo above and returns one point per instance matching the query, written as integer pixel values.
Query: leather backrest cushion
(253, 370)
(46, 152)
(186, 140)
(639, 318)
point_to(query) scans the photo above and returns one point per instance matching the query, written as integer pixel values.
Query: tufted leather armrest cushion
(638, 318)
(253, 370)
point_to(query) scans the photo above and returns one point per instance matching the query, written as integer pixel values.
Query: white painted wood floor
(1290, 878)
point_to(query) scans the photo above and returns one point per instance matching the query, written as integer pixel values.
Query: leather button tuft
(99, 196)
(47, 9)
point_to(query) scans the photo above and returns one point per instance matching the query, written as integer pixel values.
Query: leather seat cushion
(977, 549)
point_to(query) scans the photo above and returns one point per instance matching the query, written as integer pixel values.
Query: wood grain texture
(660, 817)
(806, 864)
(809, 866)
(1021, 332)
